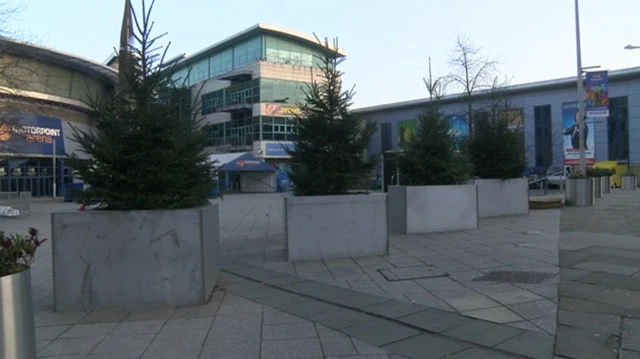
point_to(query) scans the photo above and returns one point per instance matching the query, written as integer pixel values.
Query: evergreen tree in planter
(495, 150)
(429, 156)
(498, 158)
(147, 150)
(149, 170)
(326, 218)
(328, 157)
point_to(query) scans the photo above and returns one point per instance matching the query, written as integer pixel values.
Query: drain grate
(515, 277)
(410, 273)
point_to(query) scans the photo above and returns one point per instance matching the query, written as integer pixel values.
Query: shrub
(17, 252)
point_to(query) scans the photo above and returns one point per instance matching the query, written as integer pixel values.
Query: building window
(618, 129)
(385, 137)
(243, 93)
(291, 92)
(278, 128)
(543, 137)
(290, 52)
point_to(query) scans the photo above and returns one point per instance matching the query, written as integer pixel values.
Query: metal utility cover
(515, 277)
(410, 273)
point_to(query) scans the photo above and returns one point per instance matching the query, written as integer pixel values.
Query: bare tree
(471, 72)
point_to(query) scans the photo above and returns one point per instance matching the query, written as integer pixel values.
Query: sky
(388, 42)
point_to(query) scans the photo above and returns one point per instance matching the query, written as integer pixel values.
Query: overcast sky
(388, 42)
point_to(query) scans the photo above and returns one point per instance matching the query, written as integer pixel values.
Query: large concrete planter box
(134, 259)
(580, 192)
(18, 338)
(628, 183)
(597, 187)
(605, 184)
(325, 227)
(428, 209)
(497, 197)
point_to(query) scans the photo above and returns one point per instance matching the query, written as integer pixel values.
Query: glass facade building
(242, 103)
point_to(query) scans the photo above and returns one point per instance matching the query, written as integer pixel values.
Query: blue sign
(32, 134)
(246, 163)
(597, 94)
(277, 149)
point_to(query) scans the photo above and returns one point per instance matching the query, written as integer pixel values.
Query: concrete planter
(325, 227)
(597, 187)
(605, 184)
(497, 197)
(628, 183)
(579, 192)
(18, 340)
(427, 209)
(134, 259)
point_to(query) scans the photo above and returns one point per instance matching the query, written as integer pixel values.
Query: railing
(544, 183)
(20, 201)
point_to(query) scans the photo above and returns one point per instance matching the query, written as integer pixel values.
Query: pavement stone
(434, 320)
(380, 332)
(530, 344)
(427, 346)
(497, 315)
(631, 335)
(483, 333)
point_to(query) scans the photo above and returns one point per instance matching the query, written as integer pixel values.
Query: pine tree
(429, 155)
(496, 150)
(328, 157)
(147, 149)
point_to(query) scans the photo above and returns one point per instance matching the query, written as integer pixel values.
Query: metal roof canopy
(240, 162)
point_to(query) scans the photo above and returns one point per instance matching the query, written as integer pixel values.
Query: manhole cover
(410, 273)
(515, 277)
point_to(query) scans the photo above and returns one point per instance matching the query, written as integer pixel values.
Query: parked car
(557, 175)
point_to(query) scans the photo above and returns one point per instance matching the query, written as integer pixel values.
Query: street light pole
(581, 139)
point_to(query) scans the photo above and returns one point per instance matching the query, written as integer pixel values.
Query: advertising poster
(406, 129)
(277, 149)
(571, 134)
(597, 94)
(514, 118)
(459, 127)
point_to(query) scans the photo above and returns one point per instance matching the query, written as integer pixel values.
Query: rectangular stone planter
(579, 192)
(134, 259)
(628, 183)
(497, 197)
(597, 187)
(18, 339)
(605, 184)
(325, 227)
(428, 209)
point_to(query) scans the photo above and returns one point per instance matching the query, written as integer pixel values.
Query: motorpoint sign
(31, 134)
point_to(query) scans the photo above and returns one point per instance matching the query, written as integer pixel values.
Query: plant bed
(153, 238)
(17, 321)
(428, 209)
(497, 197)
(579, 192)
(322, 227)
(628, 182)
(134, 259)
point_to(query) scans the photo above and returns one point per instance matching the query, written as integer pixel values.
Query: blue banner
(32, 134)
(277, 149)
(597, 94)
(247, 163)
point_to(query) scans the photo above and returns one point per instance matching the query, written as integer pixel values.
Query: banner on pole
(597, 94)
(571, 135)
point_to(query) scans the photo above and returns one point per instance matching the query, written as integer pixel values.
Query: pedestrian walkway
(436, 278)
(599, 313)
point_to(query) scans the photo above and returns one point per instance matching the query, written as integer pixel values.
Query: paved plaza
(488, 293)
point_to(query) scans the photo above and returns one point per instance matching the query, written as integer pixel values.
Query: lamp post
(581, 139)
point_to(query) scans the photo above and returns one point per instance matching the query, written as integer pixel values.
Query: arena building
(43, 92)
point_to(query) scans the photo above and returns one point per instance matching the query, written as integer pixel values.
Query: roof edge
(525, 87)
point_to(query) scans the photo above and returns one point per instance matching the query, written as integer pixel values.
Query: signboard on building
(597, 94)
(459, 127)
(277, 149)
(406, 129)
(282, 110)
(571, 135)
(32, 134)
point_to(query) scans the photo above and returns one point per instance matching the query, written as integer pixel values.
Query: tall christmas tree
(328, 157)
(147, 149)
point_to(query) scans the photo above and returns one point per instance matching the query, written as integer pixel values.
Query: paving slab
(483, 333)
(427, 346)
